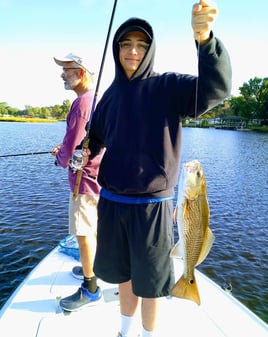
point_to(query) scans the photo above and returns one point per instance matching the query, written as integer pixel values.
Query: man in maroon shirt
(82, 211)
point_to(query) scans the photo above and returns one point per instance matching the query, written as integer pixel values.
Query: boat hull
(34, 311)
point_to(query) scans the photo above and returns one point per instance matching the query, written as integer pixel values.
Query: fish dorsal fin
(207, 244)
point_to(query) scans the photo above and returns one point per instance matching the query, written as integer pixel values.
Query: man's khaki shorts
(83, 215)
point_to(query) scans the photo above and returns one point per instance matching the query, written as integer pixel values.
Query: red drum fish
(192, 215)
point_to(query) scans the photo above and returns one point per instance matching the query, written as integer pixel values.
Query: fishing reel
(76, 163)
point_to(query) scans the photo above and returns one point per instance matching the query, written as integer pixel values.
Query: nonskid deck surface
(34, 309)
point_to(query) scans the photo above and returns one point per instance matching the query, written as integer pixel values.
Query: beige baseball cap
(72, 58)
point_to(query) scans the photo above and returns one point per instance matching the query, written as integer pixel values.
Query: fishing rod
(24, 154)
(86, 139)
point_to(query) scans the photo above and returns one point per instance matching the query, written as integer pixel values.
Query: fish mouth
(192, 186)
(192, 179)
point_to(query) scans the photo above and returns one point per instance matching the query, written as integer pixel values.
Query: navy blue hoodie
(138, 120)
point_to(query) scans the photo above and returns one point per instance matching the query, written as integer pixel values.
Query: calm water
(34, 205)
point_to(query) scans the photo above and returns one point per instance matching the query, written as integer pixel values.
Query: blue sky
(32, 32)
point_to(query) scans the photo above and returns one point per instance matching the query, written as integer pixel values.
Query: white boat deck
(33, 310)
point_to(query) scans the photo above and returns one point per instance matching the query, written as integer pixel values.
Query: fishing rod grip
(80, 172)
(77, 184)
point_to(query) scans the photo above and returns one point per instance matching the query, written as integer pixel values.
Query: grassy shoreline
(263, 129)
(45, 120)
(28, 120)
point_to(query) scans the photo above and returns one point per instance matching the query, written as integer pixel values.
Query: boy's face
(132, 49)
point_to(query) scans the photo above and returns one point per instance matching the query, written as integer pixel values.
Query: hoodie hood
(146, 67)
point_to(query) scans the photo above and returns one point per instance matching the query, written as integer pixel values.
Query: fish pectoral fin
(176, 251)
(186, 289)
(207, 244)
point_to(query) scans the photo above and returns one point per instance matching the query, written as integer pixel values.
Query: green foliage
(251, 104)
(53, 112)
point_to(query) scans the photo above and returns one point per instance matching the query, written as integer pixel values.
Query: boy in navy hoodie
(139, 122)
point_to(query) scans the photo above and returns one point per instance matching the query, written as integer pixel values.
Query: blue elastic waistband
(130, 200)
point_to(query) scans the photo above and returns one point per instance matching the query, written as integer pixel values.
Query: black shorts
(133, 243)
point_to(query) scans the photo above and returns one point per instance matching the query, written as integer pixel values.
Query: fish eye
(198, 174)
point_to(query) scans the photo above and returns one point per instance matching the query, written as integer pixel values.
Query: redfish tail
(185, 289)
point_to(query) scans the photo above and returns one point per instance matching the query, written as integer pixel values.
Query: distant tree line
(250, 104)
(58, 112)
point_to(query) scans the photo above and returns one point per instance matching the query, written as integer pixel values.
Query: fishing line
(198, 40)
(193, 151)
(197, 79)
(195, 143)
